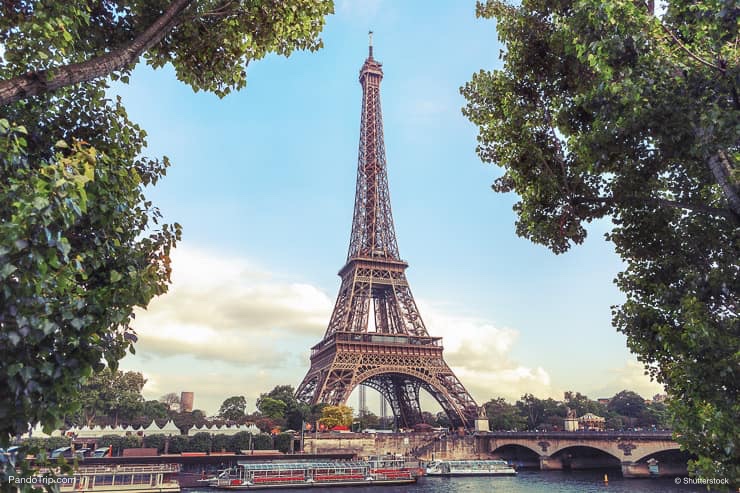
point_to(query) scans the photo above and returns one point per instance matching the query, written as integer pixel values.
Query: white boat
(155, 478)
(309, 474)
(470, 468)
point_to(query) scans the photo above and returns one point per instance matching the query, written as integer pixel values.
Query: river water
(591, 481)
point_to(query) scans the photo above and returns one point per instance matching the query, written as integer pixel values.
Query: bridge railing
(657, 434)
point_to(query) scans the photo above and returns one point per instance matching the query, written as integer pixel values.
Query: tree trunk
(719, 169)
(35, 83)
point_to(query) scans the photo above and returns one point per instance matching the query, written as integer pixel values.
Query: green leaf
(6, 270)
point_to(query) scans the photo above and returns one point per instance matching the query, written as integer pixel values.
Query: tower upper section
(373, 234)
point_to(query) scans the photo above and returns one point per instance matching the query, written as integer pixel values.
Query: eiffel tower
(376, 336)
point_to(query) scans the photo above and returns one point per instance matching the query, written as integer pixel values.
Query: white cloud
(478, 353)
(217, 307)
(228, 327)
(631, 376)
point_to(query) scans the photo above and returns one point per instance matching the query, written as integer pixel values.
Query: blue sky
(263, 183)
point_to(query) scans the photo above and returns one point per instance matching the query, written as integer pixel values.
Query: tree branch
(35, 83)
(720, 165)
(632, 201)
(691, 54)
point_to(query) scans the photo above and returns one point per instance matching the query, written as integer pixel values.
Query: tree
(504, 416)
(295, 412)
(332, 416)
(283, 441)
(272, 408)
(152, 411)
(285, 393)
(200, 442)
(606, 110)
(367, 420)
(532, 408)
(171, 400)
(627, 403)
(155, 441)
(80, 246)
(581, 404)
(178, 444)
(110, 396)
(656, 415)
(233, 408)
(162, 32)
(443, 420)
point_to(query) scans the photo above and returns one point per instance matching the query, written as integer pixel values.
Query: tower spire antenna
(370, 50)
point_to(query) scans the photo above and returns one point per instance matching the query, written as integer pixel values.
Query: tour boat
(264, 475)
(155, 478)
(470, 468)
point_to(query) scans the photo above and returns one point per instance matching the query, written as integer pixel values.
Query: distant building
(591, 422)
(186, 402)
(604, 400)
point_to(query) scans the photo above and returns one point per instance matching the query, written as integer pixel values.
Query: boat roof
(473, 461)
(282, 466)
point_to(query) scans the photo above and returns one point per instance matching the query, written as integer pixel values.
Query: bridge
(633, 451)
(638, 454)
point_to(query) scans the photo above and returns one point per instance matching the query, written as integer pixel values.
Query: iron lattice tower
(376, 336)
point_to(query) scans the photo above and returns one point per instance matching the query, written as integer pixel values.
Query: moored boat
(470, 468)
(153, 478)
(263, 475)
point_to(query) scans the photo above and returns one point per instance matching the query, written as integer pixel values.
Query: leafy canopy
(233, 408)
(607, 110)
(332, 416)
(80, 245)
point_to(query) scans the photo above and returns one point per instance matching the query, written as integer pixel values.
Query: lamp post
(303, 429)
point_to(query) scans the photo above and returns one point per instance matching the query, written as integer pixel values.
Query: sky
(263, 183)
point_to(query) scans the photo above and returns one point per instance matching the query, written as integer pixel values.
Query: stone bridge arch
(607, 449)
(501, 445)
(646, 457)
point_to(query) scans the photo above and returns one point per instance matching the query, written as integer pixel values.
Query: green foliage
(111, 396)
(233, 408)
(294, 413)
(504, 416)
(222, 443)
(52, 443)
(604, 110)
(240, 441)
(263, 441)
(152, 411)
(178, 444)
(155, 441)
(283, 441)
(75, 263)
(627, 403)
(332, 416)
(80, 246)
(114, 441)
(200, 442)
(272, 408)
(538, 411)
(581, 404)
(369, 420)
